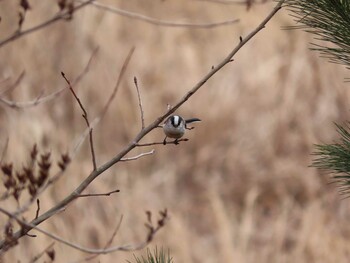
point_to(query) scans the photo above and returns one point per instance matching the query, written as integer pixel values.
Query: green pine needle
(327, 20)
(336, 158)
(156, 257)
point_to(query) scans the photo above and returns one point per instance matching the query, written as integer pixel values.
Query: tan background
(241, 190)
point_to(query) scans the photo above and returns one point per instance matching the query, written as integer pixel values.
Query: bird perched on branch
(175, 127)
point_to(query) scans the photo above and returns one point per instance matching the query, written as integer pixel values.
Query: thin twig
(60, 173)
(140, 104)
(4, 80)
(119, 79)
(38, 208)
(27, 226)
(4, 150)
(234, 2)
(13, 85)
(137, 156)
(94, 174)
(37, 257)
(107, 105)
(161, 143)
(104, 194)
(40, 99)
(58, 17)
(85, 116)
(158, 22)
(108, 244)
(25, 206)
(86, 68)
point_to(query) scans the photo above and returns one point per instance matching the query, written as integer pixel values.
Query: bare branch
(107, 105)
(38, 208)
(104, 194)
(55, 94)
(58, 17)
(116, 87)
(67, 14)
(25, 206)
(140, 104)
(37, 257)
(109, 242)
(4, 80)
(86, 68)
(157, 22)
(85, 116)
(14, 85)
(137, 156)
(60, 173)
(234, 2)
(4, 150)
(152, 232)
(94, 174)
(161, 143)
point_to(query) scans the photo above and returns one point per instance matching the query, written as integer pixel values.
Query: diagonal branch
(37, 257)
(140, 104)
(109, 242)
(107, 105)
(158, 22)
(12, 86)
(4, 150)
(117, 85)
(60, 16)
(53, 95)
(64, 15)
(153, 230)
(103, 194)
(94, 174)
(234, 2)
(160, 143)
(73, 152)
(137, 156)
(85, 116)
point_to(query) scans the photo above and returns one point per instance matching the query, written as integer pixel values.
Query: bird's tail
(192, 120)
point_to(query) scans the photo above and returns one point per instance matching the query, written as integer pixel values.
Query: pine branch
(328, 21)
(336, 158)
(156, 257)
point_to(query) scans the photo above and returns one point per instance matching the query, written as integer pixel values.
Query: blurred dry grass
(240, 190)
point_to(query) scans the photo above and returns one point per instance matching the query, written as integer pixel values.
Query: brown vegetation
(240, 190)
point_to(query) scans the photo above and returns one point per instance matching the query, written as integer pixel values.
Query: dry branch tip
(85, 116)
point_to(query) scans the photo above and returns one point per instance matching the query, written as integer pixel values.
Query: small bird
(175, 127)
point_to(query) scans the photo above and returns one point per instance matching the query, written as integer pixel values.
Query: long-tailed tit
(175, 127)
